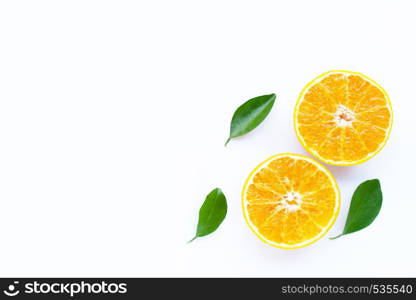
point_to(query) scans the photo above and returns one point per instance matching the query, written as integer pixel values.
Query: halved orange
(290, 201)
(343, 118)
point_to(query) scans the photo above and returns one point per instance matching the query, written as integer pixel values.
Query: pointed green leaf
(211, 213)
(249, 115)
(365, 206)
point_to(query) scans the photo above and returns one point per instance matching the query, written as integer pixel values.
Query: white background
(113, 116)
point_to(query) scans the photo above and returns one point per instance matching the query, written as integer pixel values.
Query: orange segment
(290, 201)
(343, 118)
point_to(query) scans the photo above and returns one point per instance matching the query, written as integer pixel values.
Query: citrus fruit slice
(290, 201)
(343, 118)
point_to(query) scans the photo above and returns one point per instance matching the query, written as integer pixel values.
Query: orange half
(290, 201)
(343, 118)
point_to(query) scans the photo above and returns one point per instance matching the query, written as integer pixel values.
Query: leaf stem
(228, 140)
(192, 239)
(335, 237)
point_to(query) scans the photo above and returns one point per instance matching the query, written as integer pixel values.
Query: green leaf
(365, 206)
(211, 213)
(249, 115)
